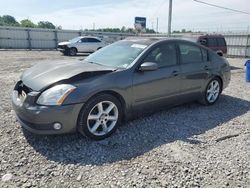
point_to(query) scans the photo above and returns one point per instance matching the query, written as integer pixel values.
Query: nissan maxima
(119, 81)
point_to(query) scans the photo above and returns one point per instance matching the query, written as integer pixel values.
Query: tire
(65, 53)
(212, 92)
(100, 117)
(72, 51)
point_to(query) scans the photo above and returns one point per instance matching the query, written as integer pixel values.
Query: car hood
(44, 74)
(64, 43)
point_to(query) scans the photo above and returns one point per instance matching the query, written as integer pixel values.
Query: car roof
(145, 40)
(89, 37)
(151, 40)
(193, 37)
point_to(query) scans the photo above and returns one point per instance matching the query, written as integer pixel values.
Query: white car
(85, 44)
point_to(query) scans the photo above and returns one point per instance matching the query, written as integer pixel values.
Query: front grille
(62, 46)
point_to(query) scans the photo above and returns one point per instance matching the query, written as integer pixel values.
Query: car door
(82, 45)
(195, 68)
(93, 44)
(156, 87)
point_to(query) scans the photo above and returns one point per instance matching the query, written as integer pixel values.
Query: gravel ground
(187, 146)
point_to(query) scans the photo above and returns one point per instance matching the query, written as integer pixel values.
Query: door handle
(175, 73)
(206, 67)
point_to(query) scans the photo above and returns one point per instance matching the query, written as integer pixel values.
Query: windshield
(119, 54)
(74, 40)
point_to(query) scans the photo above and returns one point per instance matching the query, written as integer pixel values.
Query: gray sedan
(130, 77)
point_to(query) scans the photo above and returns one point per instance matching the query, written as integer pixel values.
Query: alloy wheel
(213, 91)
(102, 118)
(72, 51)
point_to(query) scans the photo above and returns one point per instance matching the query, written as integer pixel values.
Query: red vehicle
(215, 42)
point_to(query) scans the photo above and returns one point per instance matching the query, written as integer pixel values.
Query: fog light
(57, 126)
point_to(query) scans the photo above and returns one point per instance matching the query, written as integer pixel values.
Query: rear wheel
(100, 117)
(212, 92)
(72, 51)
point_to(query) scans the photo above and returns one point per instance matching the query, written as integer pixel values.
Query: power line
(213, 5)
(155, 13)
(157, 10)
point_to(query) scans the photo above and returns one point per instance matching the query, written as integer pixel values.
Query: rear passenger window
(190, 53)
(93, 40)
(212, 42)
(221, 42)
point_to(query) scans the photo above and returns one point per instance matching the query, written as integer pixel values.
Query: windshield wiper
(95, 63)
(115, 68)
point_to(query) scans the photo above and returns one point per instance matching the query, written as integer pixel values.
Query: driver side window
(164, 55)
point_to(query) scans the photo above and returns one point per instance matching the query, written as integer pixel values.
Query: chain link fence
(33, 38)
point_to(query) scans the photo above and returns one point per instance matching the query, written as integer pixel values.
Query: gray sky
(81, 14)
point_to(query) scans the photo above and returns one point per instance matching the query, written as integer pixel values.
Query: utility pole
(157, 22)
(169, 17)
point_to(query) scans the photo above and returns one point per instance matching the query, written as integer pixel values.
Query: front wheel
(212, 92)
(72, 51)
(100, 117)
(65, 53)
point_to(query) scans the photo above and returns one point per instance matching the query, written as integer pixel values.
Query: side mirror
(220, 53)
(148, 66)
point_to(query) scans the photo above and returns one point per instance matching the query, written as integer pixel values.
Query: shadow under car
(139, 136)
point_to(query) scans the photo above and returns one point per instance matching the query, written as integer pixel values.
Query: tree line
(183, 31)
(7, 20)
(120, 30)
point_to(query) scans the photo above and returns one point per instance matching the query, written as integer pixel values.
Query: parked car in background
(122, 80)
(216, 43)
(87, 44)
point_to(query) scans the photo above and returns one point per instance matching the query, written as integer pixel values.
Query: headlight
(55, 95)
